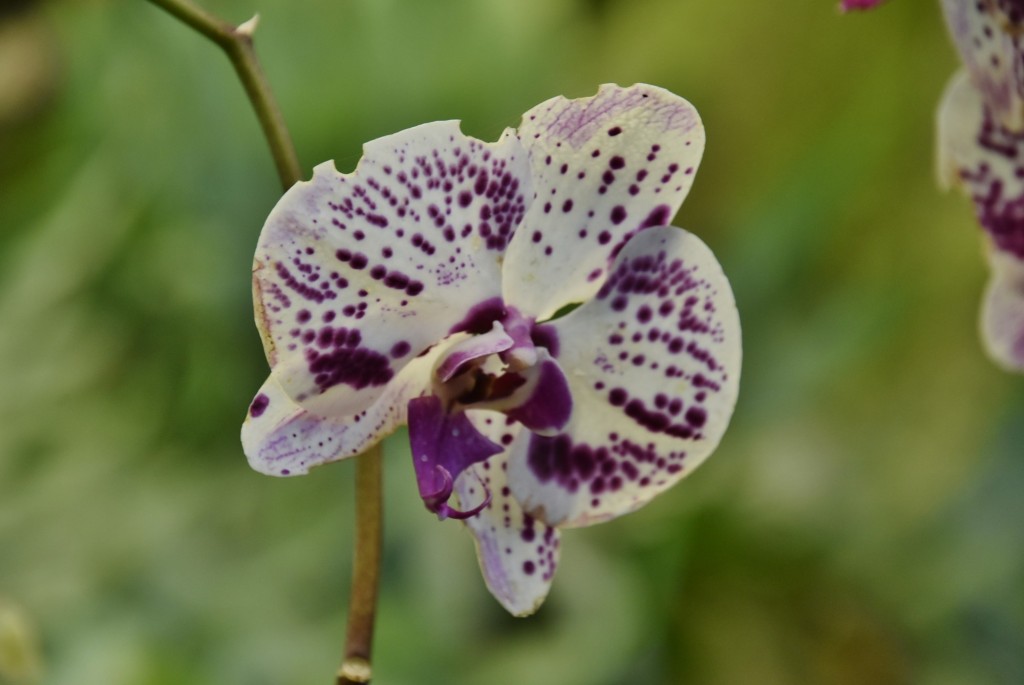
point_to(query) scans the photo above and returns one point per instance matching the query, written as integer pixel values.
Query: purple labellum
(443, 446)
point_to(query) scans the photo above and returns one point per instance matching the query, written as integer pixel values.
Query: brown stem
(236, 41)
(365, 570)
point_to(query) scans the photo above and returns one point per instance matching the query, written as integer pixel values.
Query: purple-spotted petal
(356, 274)
(518, 554)
(280, 438)
(986, 161)
(654, 370)
(1010, 13)
(988, 36)
(604, 167)
(1002, 315)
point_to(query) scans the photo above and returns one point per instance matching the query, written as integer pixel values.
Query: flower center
(503, 369)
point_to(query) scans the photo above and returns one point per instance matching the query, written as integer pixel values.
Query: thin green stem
(355, 668)
(236, 41)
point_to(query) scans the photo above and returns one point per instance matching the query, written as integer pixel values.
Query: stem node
(236, 42)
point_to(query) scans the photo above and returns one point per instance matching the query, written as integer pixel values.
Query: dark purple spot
(618, 214)
(400, 349)
(659, 216)
(396, 280)
(300, 288)
(614, 131)
(695, 416)
(357, 367)
(259, 405)
(616, 162)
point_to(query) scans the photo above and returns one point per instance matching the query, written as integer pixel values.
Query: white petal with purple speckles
(280, 438)
(604, 167)
(988, 34)
(986, 160)
(1002, 315)
(356, 274)
(518, 554)
(654, 371)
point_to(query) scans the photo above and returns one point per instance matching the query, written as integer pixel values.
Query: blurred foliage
(861, 523)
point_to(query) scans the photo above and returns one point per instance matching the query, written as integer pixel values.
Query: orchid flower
(981, 150)
(430, 287)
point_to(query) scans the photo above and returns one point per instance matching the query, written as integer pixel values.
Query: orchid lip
(437, 502)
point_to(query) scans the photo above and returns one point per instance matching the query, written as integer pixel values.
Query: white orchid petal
(988, 35)
(356, 274)
(604, 167)
(1002, 314)
(280, 438)
(654, 370)
(518, 554)
(987, 162)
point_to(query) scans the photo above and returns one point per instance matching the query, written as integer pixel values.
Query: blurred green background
(862, 522)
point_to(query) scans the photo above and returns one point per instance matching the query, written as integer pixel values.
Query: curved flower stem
(236, 41)
(365, 570)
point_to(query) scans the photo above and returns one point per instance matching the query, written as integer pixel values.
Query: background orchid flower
(425, 287)
(981, 150)
(847, 5)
